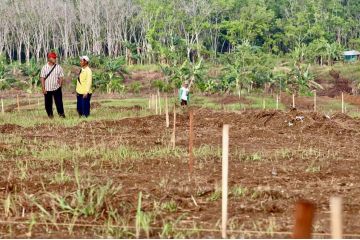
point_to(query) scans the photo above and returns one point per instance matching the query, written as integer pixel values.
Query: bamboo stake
(264, 104)
(293, 100)
(315, 101)
(2, 106)
(277, 102)
(18, 103)
(167, 112)
(174, 129)
(191, 142)
(225, 171)
(304, 216)
(336, 217)
(156, 105)
(159, 103)
(342, 102)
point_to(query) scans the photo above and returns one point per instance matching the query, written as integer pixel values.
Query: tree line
(152, 31)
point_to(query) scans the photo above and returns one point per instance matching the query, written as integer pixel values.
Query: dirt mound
(9, 128)
(132, 108)
(340, 85)
(13, 107)
(301, 103)
(233, 99)
(94, 105)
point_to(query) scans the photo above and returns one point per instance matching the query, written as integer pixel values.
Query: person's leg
(59, 102)
(79, 104)
(48, 104)
(87, 105)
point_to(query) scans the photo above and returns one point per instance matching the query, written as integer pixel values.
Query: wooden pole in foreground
(225, 172)
(304, 216)
(18, 103)
(174, 129)
(315, 101)
(336, 217)
(167, 112)
(2, 106)
(277, 102)
(191, 142)
(293, 100)
(342, 103)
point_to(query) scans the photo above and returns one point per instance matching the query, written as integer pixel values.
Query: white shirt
(185, 92)
(51, 83)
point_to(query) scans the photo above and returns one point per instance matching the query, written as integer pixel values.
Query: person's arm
(61, 76)
(88, 83)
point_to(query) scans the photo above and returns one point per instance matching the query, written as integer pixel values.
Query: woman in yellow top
(83, 88)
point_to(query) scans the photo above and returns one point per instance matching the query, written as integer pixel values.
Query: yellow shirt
(84, 86)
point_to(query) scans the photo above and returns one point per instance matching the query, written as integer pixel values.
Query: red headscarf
(52, 55)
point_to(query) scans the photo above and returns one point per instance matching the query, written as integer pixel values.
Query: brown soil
(302, 155)
(233, 99)
(340, 85)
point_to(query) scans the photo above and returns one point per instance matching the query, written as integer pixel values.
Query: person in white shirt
(184, 94)
(52, 77)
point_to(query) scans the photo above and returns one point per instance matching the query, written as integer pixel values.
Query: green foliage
(32, 71)
(135, 87)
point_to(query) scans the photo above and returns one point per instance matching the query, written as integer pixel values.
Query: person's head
(84, 61)
(52, 57)
(186, 84)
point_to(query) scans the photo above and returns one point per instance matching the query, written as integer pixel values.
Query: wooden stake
(167, 112)
(225, 171)
(342, 102)
(336, 217)
(174, 129)
(277, 102)
(159, 103)
(18, 103)
(315, 101)
(191, 142)
(156, 105)
(293, 96)
(150, 102)
(2, 106)
(264, 104)
(304, 216)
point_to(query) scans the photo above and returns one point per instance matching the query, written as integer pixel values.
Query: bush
(135, 87)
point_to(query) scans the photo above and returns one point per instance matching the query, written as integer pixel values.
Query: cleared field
(85, 178)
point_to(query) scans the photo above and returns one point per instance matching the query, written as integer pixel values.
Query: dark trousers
(183, 102)
(83, 105)
(57, 95)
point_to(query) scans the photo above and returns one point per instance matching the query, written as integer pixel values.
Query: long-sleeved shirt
(85, 78)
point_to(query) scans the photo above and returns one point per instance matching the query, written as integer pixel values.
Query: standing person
(52, 77)
(83, 88)
(184, 94)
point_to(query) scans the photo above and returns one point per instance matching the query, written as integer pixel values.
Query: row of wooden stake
(343, 107)
(17, 103)
(304, 211)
